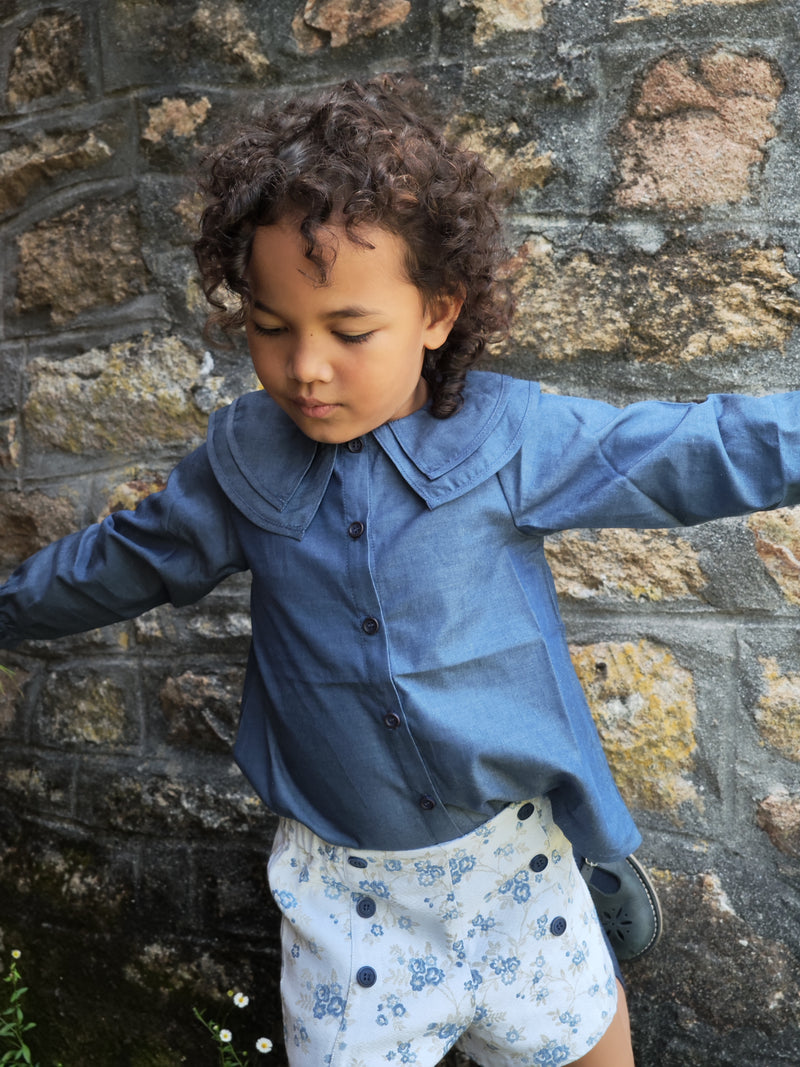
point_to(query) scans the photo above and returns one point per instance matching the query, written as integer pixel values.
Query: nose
(308, 361)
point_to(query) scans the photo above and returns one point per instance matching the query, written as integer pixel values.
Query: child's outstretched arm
(652, 464)
(174, 548)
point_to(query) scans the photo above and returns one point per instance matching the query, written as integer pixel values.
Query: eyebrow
(355, 311)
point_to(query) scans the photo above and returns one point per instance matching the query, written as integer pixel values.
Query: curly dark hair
(359, 152)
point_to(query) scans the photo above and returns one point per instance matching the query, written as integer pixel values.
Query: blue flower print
(513, 1036)
(476, 979)
(518, 887)
(405, 1053)
(424, 972)
(333, 889)
(460, 865)
(299, 1034)
(393, 865)
(295, 951)
(405, 922)
(578, 957)
(428, 873)
(285, 899)
(505, 969)
(328, 1000)
(382, 1020)
(375, 889)
(552, 1055)
(570, 1020)
(481, 924)
(376, 930)
(448, 1032)
(396, 1005)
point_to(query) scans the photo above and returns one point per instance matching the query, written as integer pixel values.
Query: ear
(442, 315)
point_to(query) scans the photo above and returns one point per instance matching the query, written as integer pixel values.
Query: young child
(410, 709)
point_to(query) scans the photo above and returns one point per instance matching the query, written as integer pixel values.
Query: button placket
(358, 531)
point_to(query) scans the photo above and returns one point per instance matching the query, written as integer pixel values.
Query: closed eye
(355, 338)
(267, 331)
(345, 338)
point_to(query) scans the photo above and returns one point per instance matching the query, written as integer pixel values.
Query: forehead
(278, 259)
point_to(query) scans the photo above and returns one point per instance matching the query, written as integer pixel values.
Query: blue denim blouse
(409, 673)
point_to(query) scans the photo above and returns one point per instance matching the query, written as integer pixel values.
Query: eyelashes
(355, 338)
(345, 338)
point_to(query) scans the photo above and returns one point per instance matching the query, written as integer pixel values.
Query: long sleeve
(174, 548)
(587, 464)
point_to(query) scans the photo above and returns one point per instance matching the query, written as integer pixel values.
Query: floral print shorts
(490, 942)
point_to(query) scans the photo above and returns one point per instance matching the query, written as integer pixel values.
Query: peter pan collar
(277, 477)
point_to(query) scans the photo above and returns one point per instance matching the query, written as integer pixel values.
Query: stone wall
(652, 147)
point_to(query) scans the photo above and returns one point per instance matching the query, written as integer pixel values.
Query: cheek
(263, 362)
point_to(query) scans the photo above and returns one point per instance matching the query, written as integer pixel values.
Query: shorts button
(366, 977)
(427, 803)
(391, 720)
(558, 926)
(366, 907)
(356, 529)
(525, 811)
(370, 625)
(538, 863)
(356, 861)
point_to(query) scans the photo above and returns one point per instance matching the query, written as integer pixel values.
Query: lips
(313, 409)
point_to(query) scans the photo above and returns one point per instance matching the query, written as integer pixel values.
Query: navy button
(391, 720)
(366, 907)
(356, 861)
(370, 626)
(356, 529)
(355, 446)
(538, 863)
(525, 811)
(366, 977)
(558, 926)
(427, 803)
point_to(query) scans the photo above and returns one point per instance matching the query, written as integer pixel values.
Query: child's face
(344, 357)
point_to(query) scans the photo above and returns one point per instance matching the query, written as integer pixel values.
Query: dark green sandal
(627, 905)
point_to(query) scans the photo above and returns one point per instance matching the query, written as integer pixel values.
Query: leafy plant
(223, 1037)
(12, 1019)
(15, 1050)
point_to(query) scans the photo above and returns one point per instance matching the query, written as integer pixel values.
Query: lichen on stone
(673, 306)
(643, 702)
(47, 58)
(777, 539)
(642, 565)
(120, 399)
(345, 20)
(89, 256)
(777, 712)
(175, 117)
